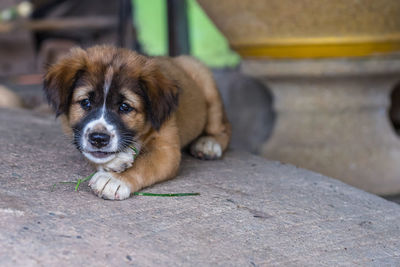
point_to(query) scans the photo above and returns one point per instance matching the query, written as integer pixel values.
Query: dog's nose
(99, 139)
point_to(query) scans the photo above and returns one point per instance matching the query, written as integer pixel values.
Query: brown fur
(180, 104)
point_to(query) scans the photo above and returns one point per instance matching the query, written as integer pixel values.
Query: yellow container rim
(324, 47)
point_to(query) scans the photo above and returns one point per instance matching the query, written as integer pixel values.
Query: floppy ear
(160, 95)
(60, 79)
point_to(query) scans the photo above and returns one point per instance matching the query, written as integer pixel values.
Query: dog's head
(109, 98)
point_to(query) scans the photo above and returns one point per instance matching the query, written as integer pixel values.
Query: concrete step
(251, 212)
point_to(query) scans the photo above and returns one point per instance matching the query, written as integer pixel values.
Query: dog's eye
(125, 108)
(85, 104)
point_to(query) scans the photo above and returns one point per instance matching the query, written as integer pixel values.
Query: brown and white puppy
(112, 99)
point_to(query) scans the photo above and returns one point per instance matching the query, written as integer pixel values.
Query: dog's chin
(99, 157)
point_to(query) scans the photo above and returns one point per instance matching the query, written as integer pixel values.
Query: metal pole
(178, 34)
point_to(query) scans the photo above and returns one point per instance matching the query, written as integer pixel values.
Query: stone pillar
(332, 117)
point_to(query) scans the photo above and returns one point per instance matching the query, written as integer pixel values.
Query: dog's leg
(213, 143)
(217, 132)
(122, 161)
(159, 161)
(108, 186)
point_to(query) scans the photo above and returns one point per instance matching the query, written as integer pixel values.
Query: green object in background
(206, 42)
(151, 22)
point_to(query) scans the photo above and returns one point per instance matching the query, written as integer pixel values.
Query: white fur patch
(206, 147)
(110, 130)
(121, 162)
(101, 123)
(107, 82)
(98, 160)
(106, 186)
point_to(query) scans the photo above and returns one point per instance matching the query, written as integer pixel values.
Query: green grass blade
(165, 195)
(77, 184)
(83, 180)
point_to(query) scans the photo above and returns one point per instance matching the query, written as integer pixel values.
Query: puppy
(130, 115)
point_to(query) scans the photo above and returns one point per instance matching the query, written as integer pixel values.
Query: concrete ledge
(251, 212)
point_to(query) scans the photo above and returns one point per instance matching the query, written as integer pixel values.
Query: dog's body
(113, 100)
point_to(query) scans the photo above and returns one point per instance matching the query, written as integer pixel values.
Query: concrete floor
(251, 212)
(238, 91)
(234, 87)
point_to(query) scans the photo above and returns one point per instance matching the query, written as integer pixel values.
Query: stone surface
(254, 22)
(251, 212)
(9, 99)
(307, 29)
(332, 118)
(32, 95)
(248, 104)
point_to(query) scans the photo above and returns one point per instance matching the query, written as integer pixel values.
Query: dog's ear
(160, 95)
(61, 77)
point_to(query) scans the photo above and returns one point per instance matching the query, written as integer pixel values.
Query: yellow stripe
(320, 47)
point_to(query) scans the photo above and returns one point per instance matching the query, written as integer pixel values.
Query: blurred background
(313, 83)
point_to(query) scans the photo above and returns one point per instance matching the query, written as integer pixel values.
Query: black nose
(99, 139)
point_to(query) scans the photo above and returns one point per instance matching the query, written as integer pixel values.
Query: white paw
(105, 185)
(206, 147)
(121, 162)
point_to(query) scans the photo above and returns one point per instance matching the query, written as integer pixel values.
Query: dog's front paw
(105, 185)
(206, 147)
(121, 162)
